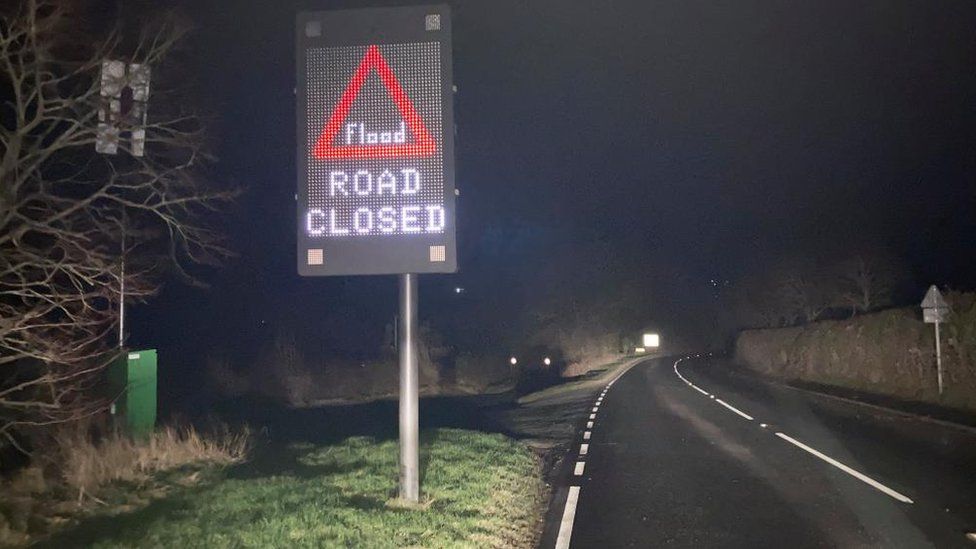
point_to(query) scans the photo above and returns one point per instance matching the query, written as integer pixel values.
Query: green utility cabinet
(132, 380)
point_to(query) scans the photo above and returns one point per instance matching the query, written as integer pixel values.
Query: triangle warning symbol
(423, 146)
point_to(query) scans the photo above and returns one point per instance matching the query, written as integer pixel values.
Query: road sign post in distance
(935, 310)
(375, 142)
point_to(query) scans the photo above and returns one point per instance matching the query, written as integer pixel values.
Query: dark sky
(708, 136)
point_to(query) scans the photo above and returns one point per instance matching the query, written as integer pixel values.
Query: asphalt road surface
(685, 455)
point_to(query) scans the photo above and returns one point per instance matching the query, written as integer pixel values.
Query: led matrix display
(375, 189)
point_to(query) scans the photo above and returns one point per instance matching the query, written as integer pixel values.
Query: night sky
(694, 138)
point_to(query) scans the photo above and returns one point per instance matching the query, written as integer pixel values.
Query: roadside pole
(935, 310)
(938, 355)
(409, 391)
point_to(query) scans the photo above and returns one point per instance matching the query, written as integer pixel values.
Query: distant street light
(513, 361)
(458, 290)
(546, 361)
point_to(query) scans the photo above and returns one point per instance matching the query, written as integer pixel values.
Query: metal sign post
(375, 105)
(935, 310)
(409, 391)
(938, 355)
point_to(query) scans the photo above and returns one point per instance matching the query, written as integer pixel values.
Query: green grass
(479, 490)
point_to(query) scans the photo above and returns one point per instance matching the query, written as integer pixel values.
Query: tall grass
(87, 464)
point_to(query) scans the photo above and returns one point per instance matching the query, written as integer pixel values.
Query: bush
(483, 374)
(301, 376)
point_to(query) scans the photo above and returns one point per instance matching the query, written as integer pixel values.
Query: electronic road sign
(375, 142)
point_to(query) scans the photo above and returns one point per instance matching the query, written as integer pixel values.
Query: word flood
(356, 134)
(387, 220)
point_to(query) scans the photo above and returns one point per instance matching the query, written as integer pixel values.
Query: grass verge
(480, 490)
(78, 474)
(597, 378)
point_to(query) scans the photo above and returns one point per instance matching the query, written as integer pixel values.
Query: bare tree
(868, 281)
(68, 214)
(803, 289)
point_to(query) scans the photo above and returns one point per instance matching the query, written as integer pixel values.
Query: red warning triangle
(424, 145)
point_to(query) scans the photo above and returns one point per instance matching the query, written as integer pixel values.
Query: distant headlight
(513, 361)
(546, 361)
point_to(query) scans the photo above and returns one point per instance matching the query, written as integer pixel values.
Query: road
(686, 455)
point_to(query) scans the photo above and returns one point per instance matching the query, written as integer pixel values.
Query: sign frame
(375, 254)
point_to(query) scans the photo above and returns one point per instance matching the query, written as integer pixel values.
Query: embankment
(889, 353)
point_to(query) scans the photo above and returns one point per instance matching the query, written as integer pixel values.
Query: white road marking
(569, 515)
(589, 424)
(584, 448)
(578, 471)
(856, 474)
(734, 409)
(586, 435)
(592, 416)
(595, 408)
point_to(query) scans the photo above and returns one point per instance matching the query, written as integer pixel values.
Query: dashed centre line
(854, 473)
(824, 457)
(734, 409)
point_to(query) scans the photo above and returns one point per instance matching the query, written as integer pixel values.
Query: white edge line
(856, 474)
(589, 424)
(734, 409)
(584, 448)
(569, 515)
(586, 435)
(592, 416)
(580, 465)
